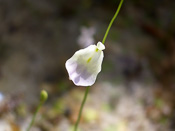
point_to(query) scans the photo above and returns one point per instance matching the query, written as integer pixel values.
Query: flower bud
(43, 95)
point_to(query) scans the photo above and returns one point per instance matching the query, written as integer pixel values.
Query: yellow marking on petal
(96, 50)
(89, 60)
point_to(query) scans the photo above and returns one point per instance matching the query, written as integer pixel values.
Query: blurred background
(135, 89)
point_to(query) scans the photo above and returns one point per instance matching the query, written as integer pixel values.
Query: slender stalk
(87, 89)
(111, 22)
(81, 108)
(34, 116)
(43, 98)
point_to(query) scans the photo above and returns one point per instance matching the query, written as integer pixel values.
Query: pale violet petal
(100, 46)
(84, 66)
(86, 38)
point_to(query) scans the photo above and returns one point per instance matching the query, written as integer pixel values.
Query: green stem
(81, 108)
(43, 98)
(87, 89)
(34, 116)
(111, 22)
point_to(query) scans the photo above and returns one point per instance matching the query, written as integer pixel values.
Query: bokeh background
(135, 89)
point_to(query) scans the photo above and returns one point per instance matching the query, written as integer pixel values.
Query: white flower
(84, 66)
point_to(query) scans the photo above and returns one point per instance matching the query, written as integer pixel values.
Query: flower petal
(84, 66)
